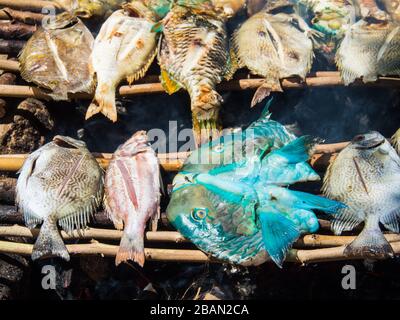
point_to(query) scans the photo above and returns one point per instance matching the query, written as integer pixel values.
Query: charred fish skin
(60, 182)
(132, 195)
(124, 48)
(56, 57)
(273, 44)
(365, 176)
(193, 55)
(91, 8)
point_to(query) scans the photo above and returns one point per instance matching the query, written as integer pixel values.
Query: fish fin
(154, 219)
(386, 46)
(278, 233)
(297, 150)
(371, 244)
(141, 73)
(104, 102)
(310, 201)
(205, 131)
(170, 86)
(131, 248)
(390, 220)
(231, 66)
(49, 242)
(265, 90)
(346, 220)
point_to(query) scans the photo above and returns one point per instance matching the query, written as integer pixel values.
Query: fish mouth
(64, 143)
(363, 144)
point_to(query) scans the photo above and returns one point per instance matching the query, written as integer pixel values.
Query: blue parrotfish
(232, 200)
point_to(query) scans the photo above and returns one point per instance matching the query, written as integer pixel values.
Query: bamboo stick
(233, 85)
(23, 16)
(306, 241)
(35, 5)
(183, 255)
(95, 248)
(93, 233)
(169, 161)
(327, 254)
(16, 30)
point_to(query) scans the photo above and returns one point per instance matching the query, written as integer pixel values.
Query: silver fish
(60, 182)
(132, 194)
(366, 177)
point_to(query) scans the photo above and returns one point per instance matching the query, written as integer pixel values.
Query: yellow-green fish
(60, 182)
(274, 44)
(193, 54)
(56, 57)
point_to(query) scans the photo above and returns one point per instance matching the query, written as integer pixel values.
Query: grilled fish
(60, 182)
(56, 57)
(232, 200)
(274, 43)
(132, 194)
(366, 177)
(370, 47)
(124, 48)
(193, 55)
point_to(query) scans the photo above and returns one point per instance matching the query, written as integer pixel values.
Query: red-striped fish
(132, 194)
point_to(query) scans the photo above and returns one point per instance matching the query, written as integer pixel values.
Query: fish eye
(199, 214)
(219, 148)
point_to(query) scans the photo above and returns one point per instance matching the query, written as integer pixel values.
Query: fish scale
(132, 194)
(63, 164)
(365, 176)
(194, 54)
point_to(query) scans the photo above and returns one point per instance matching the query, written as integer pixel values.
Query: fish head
(63, 20)
(68, 142)
(228, 8)
(374, 146)
(212, 223)
(135, 144)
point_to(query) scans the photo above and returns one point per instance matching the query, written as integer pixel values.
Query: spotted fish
(60, 182)
(366, 177)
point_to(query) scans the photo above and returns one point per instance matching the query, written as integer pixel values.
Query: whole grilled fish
(193, 55)
(366, 177)
(273, 45)
(231, 197)
(124, 48)
(370, 47)
(132, 194)
(60, 182)
(56, 57)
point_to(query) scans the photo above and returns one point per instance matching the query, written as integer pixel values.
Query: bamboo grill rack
(308, 249)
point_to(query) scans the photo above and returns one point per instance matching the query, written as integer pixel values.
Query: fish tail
(205, 109)
(49, 242)
(131, 248)
(104, 102)
(263, 91)
(370, 243)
